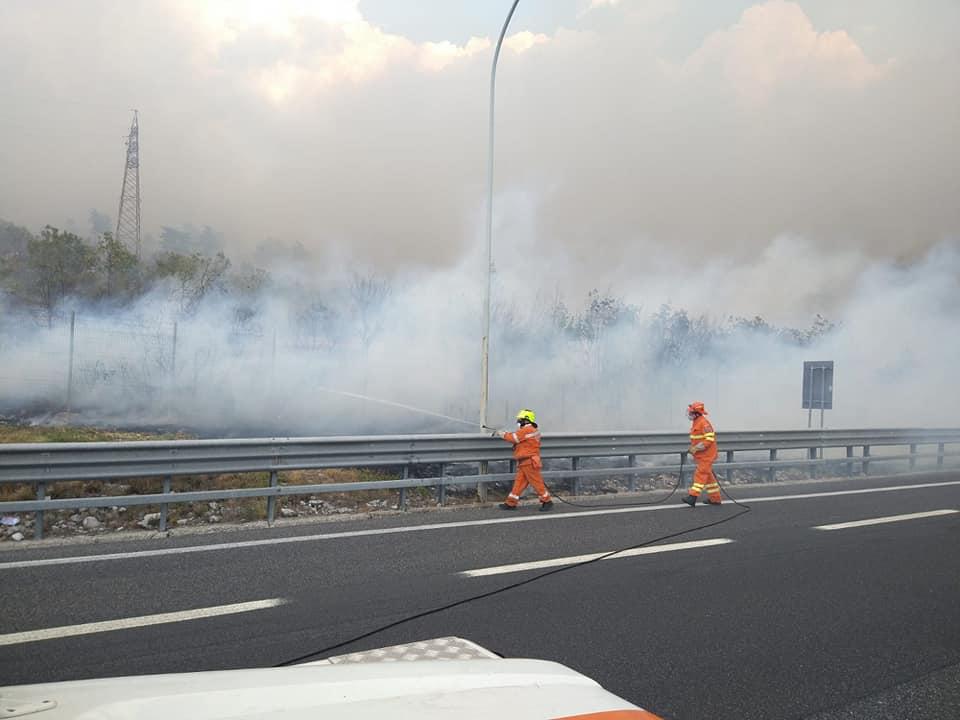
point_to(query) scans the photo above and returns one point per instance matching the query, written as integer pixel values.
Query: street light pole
(485, 345)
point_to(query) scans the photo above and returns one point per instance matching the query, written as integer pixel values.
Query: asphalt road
(782, 620)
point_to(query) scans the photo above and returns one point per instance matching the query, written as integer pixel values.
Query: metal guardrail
(43, 464)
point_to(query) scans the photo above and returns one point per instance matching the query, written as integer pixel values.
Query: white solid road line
(574, 559)
(538, 517)
(137, 622)
(887, 519)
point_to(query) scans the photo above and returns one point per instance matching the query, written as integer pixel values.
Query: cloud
(306, 122)
(775, 45)
(314, 47)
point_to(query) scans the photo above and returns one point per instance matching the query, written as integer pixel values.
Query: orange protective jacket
(526, 443)
(702, 432)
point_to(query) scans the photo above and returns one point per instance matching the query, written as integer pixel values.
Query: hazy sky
(631, 133)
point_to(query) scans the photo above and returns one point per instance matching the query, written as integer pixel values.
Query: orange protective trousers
(527, 474)
(703, 477)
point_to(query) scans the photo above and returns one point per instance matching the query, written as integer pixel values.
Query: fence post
(272, 499)
(173, 355)
(849, 464)
(442, 490)
(38, 515)
(73, 320)
(940, 451)
(772, 471)
(728, 474)
(632, 462)
(866, 462)
(575, 465)
(913, 456)
(164, 508)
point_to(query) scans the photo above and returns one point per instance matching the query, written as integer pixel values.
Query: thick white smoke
(414, 339)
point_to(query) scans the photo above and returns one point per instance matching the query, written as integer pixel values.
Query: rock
(90, 523)
(183, 521)
(76, 519)
(149, 519)
(214, 506)
(288, 512)
(17, 537)
(214, 518)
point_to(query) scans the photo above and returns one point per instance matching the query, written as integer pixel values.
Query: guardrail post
(442, 490)
(632, 462)
(482, 486)
(812, 455)
(940, 451)
(38, 515)
(164, 508)
(272, 499)
(849, 464)
(728, 474)
(772, 471)
(402, 500)
(913, 456)
(866, 462)
(575, 465)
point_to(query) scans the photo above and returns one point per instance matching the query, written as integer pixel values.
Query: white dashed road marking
(137, 622)
(887, 519)
(574, 559)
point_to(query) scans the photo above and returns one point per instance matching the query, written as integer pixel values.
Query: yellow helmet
(528, 415)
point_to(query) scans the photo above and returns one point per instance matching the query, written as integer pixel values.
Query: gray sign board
(818, 385)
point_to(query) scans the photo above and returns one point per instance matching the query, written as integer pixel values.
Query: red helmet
(696, 408)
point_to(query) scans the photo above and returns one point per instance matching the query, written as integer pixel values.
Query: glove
(697, 448)
(495, 433)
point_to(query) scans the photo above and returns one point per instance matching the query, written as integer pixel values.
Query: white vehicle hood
(348, 688)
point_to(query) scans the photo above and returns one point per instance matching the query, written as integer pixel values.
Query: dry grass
(40, 434)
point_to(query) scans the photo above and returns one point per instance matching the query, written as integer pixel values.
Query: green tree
(195, 275)
(118, 266)
(13, 252)
(58, 264)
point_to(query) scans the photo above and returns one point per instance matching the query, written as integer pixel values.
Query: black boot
(546, 506)
(504, 506)
(690, 500)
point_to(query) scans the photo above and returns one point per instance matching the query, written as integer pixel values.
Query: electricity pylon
(128, 217)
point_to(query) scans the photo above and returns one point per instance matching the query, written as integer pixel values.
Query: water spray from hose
(391, 403)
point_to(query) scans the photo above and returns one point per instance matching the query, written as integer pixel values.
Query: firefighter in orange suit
(703, 447)
(526, 451)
